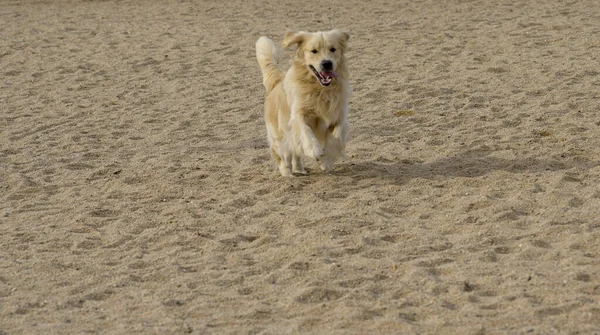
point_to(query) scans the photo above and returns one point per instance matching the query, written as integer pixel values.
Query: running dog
(306, 107)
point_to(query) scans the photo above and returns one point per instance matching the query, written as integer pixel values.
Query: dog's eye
(332, 49)
(314, 51)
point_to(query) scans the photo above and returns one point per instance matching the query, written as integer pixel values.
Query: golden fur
(303, 116)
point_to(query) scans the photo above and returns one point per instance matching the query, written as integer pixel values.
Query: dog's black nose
(327, 65)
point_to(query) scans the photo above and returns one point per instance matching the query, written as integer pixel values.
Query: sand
(137, 195)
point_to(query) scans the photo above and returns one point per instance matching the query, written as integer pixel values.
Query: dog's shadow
(469, 164)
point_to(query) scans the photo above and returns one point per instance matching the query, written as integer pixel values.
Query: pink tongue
(330, 74)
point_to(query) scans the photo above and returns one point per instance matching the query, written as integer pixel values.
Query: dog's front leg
(335, 145)
(308, 142)
(285, 168)
(340, 133)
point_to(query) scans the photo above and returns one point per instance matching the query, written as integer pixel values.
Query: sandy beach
(137, 194)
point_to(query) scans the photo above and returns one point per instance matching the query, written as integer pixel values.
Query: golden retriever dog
(306, 107)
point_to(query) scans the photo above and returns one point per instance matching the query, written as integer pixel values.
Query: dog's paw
(285, 171)
(326, 167)
(313, 150)
(326, 164)
(300, 171)
(297, 166)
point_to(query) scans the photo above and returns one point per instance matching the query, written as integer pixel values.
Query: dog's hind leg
(283, 157)
(283, 160)
(297, 166)
(275, 156)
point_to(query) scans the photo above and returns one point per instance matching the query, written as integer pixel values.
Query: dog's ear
(293, 38)
(341, 35)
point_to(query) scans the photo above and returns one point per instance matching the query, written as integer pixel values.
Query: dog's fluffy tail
(267, 55)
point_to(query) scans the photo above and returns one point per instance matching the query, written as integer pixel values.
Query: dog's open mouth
(325, 78)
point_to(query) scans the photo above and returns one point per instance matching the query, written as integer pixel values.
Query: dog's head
(322, 53)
